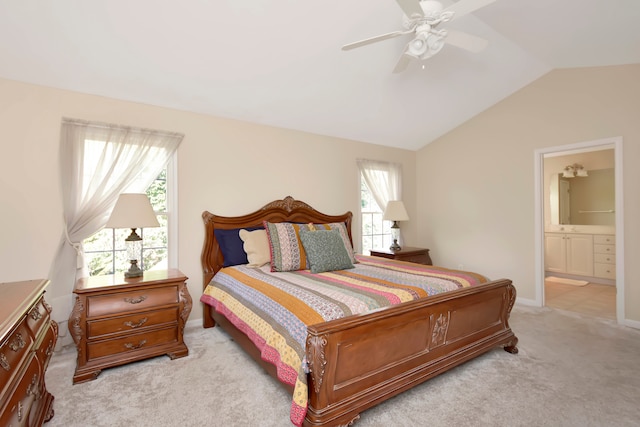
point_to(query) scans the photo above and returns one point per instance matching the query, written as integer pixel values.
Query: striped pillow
(287, 252)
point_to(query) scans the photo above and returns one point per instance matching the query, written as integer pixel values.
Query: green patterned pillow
(325, 250)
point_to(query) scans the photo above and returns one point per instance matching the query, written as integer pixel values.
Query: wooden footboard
(358, 362)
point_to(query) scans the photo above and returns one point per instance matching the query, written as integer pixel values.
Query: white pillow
(256, 245)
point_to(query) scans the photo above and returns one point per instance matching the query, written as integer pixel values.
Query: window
(380, 182)
(105, 251)
(376, 233)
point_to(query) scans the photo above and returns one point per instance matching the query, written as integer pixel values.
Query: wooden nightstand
(417, 255)
(117, 320)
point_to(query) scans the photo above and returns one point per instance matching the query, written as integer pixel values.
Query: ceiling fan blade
(466, 41)
(467, 6)
(403, 62)
(374, 39)
(410, 7)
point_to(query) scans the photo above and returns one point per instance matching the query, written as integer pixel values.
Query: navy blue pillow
(231, 245)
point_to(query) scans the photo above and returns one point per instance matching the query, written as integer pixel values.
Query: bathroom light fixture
(574, 170)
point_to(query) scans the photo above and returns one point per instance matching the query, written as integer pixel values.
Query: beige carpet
(571, 371)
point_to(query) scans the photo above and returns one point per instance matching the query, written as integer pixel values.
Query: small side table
(408, 254)
(117, 320)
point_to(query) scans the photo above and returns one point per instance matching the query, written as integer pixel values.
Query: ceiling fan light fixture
(418, 46)
(435, 43)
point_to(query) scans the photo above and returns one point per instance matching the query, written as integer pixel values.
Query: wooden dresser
(27, 339)
(118, 320)
(408, 254)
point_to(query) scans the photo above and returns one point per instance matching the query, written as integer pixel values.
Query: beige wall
(476, 184)
(225, 166)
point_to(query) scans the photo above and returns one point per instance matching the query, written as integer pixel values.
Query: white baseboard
(528, 302)
(631, 323)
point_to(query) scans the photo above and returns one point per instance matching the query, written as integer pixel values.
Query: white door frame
(616, 144)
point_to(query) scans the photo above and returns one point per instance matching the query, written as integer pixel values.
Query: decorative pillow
(287, 252)
(342, 230)
(256, 245)
(325, 250)
(231, 246)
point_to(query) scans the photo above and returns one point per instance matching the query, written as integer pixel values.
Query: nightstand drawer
(114, 325)
(132, 343)
(131, 301)
(407, 254)
(419, 259)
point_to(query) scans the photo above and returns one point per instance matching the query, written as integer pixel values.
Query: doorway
(543, 200)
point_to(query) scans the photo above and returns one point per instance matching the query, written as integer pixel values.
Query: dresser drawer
(38, 317)
(45, 349)
(604, 258)
(17, 409)
(114, 325)
(131, 343)
(604, 249)
(605, 271)
(131, 301)
(13, 351)
(604, 239)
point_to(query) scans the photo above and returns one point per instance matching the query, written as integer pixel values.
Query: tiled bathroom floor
(592, 299)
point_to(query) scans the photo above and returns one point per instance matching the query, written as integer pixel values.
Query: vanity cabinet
(604, 256)
(569, 253)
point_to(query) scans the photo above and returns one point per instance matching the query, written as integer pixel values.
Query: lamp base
(395, 246)
(134, 270)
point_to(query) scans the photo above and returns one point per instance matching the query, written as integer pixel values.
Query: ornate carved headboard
(285, 210)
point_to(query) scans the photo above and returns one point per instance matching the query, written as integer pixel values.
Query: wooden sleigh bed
(359, 361)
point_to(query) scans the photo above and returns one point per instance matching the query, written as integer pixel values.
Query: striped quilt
(274, 309)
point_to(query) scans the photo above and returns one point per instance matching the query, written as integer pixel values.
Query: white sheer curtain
(99, 161)
(384, 180)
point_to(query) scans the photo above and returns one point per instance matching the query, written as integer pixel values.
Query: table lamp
(133, 211)
(395, 212)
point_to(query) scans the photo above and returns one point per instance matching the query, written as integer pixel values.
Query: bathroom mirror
(586, 200)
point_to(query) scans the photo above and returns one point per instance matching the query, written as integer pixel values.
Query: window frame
(385, 233)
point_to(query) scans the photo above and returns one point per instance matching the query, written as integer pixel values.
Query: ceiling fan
(422, 19)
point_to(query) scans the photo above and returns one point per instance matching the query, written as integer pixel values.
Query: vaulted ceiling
(280, 63)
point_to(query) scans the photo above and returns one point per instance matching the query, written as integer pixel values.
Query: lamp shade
(132, 211)
(395, 211)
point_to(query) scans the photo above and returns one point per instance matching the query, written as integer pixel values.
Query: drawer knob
(131, 346)
(17, 343)
(135, 300)
(33, 389)
(136, 325)
(4, 362)
(35, 314)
